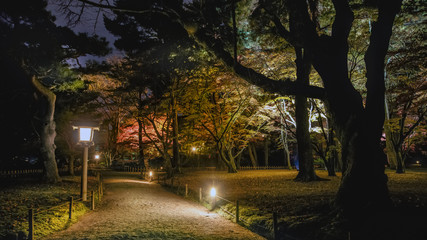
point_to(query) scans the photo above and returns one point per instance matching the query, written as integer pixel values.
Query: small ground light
(213, 195)
(150, 174)
(213, 192)
(96, 156)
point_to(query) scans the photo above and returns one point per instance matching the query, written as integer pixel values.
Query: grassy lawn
(303, 208)
(18, 195)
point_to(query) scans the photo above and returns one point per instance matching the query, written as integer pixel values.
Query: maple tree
(223, 110)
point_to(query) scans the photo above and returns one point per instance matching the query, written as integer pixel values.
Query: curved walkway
(135, 209)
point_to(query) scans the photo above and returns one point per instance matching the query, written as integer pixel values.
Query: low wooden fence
(139, 169)
(20, 173)
(23, 173)
(94, 197)
(261, 167)
(203, 195)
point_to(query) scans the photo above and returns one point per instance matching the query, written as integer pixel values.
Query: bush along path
(137, 209)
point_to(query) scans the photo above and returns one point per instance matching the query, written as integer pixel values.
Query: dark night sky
(88, 24)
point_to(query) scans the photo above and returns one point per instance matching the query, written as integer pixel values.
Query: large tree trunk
(306, 167)
(48, 134)
(363, 191)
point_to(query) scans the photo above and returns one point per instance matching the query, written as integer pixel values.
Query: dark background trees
(34, 51)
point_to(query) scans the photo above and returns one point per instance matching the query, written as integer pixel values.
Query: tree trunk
(391, 154)
(226, 158)
(284, 139)
(48, 134)
(306, 167)
(266, 151)
(288, 157)
(141, 159)
(175, 145)
(71, 165)
(252, 155)
(363, 191)
(400, 166)
(238, 160)
(332, 154)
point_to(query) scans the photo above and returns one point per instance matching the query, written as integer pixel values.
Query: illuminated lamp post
(86, 140)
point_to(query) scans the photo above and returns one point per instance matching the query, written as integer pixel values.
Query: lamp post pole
(84, 173)
(85, 140)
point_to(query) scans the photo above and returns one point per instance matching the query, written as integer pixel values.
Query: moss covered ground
(50, 203)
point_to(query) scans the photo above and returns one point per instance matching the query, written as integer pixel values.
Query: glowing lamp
(151, 173)
(96, 156)
(85, 133)
(213, 192)
(194, 149)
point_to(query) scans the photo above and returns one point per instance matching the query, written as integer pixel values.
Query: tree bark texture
(363, 190)
(71, 165)
(48, 133)
(331, 155)
(391, 154)
(252, 155)
(226, 158)
(305, 152)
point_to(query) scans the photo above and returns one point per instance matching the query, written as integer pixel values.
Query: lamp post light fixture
(86, 140)
(150, 174)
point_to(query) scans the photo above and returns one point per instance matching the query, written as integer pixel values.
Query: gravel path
(135, 209)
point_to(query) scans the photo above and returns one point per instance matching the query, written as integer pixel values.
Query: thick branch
(343, 21)
(374, 58)
(283, 32)
(285, 87)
